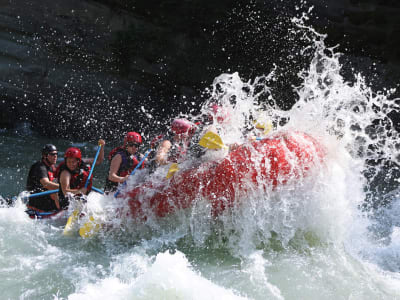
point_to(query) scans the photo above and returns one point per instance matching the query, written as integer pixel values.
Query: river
(308, 240)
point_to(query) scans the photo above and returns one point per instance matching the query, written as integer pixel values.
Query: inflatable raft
(268, 163)
(38, 214)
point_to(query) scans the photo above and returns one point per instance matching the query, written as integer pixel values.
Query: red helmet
(179, 126)
(132, 137)
(73, 152)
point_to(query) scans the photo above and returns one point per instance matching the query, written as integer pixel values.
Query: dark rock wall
(90, 68)
(77, 68)
(368, 31)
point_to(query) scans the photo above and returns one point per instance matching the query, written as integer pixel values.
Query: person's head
(72, 157)
(219, 113)
(181, 127)
(132, 141)
(49, 154)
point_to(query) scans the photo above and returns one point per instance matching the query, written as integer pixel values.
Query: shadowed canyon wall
(89, 68)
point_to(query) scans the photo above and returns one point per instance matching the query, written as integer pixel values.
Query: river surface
(310, 239)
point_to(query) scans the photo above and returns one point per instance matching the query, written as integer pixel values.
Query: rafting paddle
(68, 229)
(43, 193)
(212, 140)
(172, 170)
(92, 226)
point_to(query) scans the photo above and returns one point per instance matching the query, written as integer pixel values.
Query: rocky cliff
(90, 68)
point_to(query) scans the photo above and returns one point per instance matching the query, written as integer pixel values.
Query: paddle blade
(71, 222)
(89, 229)
(172, 169)
(212, 140)
(265, 126)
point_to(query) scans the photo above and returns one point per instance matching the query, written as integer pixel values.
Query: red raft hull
(270, 162)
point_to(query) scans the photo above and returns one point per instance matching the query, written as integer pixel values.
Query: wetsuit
(128, 163)
(38, 171)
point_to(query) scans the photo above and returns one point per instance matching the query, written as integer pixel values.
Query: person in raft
(174, 148)
(73, 173)
(123, 160)
(41, 177)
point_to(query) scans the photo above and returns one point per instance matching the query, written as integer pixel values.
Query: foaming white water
(339, 115)
(167, 276)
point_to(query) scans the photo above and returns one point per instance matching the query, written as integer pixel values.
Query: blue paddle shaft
(56, 191)
(134, 170)
(43, 193)
(97, 190)
(92, 168)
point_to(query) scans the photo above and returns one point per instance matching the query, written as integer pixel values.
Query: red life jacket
(78, 177)
(51, 173)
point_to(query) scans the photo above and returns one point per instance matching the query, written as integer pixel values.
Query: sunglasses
(53, 154)
(133, 145)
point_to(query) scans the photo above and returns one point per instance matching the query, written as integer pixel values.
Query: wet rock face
(80, 69)
(365, 29)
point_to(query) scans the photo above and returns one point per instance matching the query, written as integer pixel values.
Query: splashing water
(314, 237)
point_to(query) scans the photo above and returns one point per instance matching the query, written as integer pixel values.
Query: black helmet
(48, 148)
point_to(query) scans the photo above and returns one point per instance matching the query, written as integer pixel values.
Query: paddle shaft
(97, 190)
(43, 193)
(56, 191)
(134, 170)
(92, 168)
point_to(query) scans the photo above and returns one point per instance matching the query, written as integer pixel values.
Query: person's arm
(114, 166)
(162, 152)
(65, 179)
(47, 184)
(42, 175)
(100, 158)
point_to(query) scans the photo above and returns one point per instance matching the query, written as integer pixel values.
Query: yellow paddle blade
(69, 227)
(212, 140)
(266, 126)
(89, 228)
(172, 169)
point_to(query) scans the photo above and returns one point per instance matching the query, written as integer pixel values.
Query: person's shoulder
(64, 172)
(118, 156)
(113, 152)
(38, 165)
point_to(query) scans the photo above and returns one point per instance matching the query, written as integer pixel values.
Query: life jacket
(128, 164)
(77, 181)
(51, 173)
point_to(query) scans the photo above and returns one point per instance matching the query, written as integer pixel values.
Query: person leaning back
(41, 177)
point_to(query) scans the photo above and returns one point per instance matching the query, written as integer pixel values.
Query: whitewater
(320, 237)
